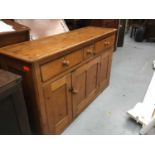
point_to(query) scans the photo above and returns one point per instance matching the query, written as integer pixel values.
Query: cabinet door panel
(92, 76)
(85, 84)
(58, 104)
(78, 84)
(81, 87)
(105, 68)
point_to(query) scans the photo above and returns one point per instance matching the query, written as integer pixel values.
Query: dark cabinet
(150, 30)
(13, 114)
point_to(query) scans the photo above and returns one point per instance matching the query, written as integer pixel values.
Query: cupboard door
(58, 104)
(105, 68)
(84, 85)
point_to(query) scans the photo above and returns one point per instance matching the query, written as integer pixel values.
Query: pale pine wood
(104, 43)
(58, 103)
(85, 82)
(105, 68)
(89, 51)
(57, 66)
(41, 48)
(62, 78)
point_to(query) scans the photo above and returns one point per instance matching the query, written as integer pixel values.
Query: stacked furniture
(20, 34)
(62, 74)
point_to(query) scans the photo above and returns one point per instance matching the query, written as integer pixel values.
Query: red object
(26, 68)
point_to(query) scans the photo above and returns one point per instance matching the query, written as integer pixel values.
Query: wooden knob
(74, 91)
(65, 63)
(105, 43)
(108, 43)
(89, 51)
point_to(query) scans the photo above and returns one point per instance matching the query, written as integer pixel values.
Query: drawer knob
(65, 63)
(106, 43)
(89, 52)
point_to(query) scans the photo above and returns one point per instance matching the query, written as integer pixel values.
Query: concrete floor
(130, 76)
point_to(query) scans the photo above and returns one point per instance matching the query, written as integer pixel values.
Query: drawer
(89, 51)
(105, 43)
(59, 65)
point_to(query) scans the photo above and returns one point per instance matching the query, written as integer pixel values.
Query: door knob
(74, 91)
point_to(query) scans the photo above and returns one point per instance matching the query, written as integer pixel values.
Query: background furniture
(44, 27)
(13, 113)
(135, 24)
(121, 32)
(147, 24)
(20, 34)
(134, 29)
(150, 30)
(79, 23)
(61, 74)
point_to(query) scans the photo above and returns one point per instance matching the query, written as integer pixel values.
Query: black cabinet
(13, 113)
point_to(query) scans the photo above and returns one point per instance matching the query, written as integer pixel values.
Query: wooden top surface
(36, 50)
(7, 77)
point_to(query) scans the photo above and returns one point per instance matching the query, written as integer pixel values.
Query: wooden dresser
(62, 74)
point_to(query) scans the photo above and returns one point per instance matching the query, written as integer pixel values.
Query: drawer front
(89, 51)
(105, 43)
(59, 65)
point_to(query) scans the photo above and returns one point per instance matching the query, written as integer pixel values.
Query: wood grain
(57, 66)
(63, 79)
(38, 49)
(58, 100)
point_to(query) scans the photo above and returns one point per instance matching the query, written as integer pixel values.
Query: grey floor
(130, 77)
